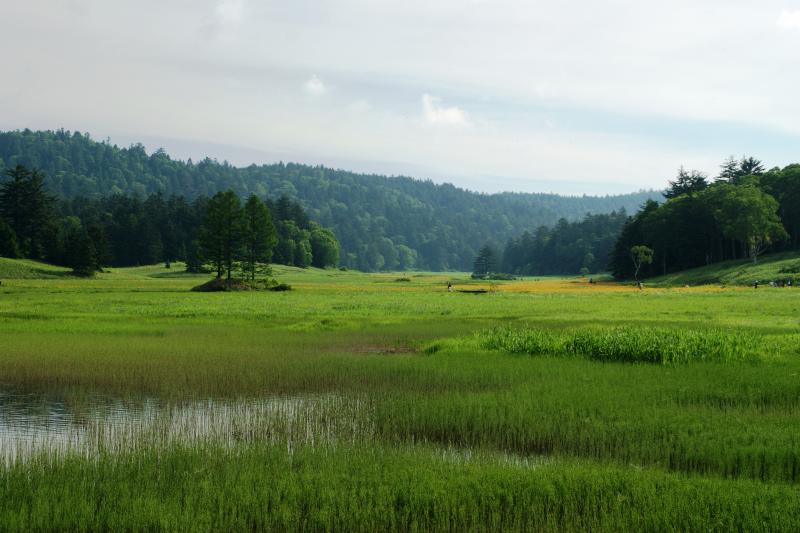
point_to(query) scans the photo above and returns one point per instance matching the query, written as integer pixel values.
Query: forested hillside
(381, 222)
(746, 211)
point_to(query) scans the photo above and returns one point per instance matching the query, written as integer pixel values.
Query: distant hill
(381, 222)
(774, 267)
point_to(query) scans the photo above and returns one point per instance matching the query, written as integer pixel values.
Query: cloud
(789, 19)
(360, 106)
(435, 113)
(230, 10)
(314, 86)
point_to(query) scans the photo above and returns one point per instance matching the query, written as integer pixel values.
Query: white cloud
(360, 106)
(315, 87)
(789, 19)
(230, 10)
(435, 113)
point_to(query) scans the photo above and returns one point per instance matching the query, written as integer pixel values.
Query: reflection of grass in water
(319, 420)
(619, 439)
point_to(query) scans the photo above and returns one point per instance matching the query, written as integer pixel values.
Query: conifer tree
(259, 236)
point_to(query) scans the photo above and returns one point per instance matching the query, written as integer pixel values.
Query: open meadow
(367, 402)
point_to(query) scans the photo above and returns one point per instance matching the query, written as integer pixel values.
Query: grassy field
(543, 404)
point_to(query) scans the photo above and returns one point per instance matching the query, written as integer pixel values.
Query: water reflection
(52, 426)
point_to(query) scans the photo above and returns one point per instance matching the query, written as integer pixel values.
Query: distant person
(755, 285)
(591, 281)
(449, 287)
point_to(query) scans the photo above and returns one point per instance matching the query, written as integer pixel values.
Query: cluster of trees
(743, 212)
(568, 248)
(87, 234)
(382, 223)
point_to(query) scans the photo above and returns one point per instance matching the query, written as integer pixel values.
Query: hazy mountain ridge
(378, 219)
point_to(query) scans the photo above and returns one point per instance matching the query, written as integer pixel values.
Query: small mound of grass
(630, 345)
(223, 285)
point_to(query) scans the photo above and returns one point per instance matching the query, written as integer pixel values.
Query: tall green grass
(388, 435)
(630, 344)
(253, 487)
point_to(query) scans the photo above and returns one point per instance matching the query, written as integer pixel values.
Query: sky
(574, 96)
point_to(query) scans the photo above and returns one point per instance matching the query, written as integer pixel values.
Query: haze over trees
(381, 223)
(568, 248)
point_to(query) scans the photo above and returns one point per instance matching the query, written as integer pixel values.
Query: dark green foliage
(324, 248)
(736, 217)
(567, 248)
(380, 222)
(485, 262)
(28, 209)
(8, 241)
(81, 255)
(686, 183)
(222, 234)
(259, 236)
(126, 231)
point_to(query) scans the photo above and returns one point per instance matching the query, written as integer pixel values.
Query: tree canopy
(381, 223)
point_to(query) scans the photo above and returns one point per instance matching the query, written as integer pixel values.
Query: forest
(87, 234)
(584, 246)
(742, 213)
(381, 223)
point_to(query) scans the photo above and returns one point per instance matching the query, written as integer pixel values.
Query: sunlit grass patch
(629, 344)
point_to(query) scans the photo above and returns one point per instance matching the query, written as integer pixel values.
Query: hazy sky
(569, 96)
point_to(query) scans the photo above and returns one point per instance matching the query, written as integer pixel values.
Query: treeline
(382, 223)
(743, 212)
(568, 248)
(87, 234)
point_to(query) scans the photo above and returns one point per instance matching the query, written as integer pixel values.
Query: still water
(34, 424)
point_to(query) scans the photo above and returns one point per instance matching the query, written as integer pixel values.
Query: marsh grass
(203, 488)
(398, 417)
(317, 420)
(629, 344)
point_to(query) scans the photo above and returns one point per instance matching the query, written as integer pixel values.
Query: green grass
(27, 269)
(526, 408)
(785, 266)
(376, 489)
(629, 344)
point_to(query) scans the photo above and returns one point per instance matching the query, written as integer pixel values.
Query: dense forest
(567, 248)
(381, 222)
(743, 212)
(87, 234)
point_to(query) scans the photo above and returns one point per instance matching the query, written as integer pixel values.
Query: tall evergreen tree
(259, 236)
(686, 183)
(27, 208)
(485, 262)
(8, 241)
(222, 234)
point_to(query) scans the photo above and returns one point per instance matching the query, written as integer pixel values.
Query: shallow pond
(53, 425)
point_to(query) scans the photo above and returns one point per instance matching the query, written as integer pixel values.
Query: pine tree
(259, 236)
(27, 208)
(8, 241)
(485, 262)
(222, 234)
